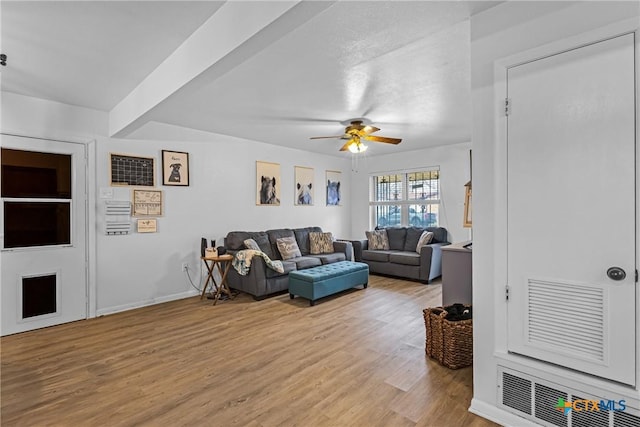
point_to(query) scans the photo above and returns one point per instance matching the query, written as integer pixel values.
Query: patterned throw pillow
(378, 239)
(425, 239)
(288, 247)
(251, 244)
(321, 243)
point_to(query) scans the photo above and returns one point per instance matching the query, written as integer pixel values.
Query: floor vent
(543, 402)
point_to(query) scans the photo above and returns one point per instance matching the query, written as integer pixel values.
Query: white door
(571, 209)
(43, 233)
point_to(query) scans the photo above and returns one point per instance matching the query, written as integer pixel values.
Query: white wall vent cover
(535, 399)
(546, 399)
(516, 393)
(568, 318)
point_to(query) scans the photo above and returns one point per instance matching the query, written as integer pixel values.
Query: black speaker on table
(203, 246)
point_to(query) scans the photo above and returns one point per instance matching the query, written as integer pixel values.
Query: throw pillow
(288, 247)
(252, 244)
(321, 243)
(425, 239)
(378, 239)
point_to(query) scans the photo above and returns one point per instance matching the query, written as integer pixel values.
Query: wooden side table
(223, 262)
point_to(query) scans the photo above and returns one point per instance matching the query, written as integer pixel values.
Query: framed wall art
(126, 170)
(175, 168)
(147, 202)
(304, 188)
(147, 225)
(267, 184)
(467, 205)
(334, 195)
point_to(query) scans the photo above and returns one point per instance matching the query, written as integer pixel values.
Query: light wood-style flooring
(356, 359)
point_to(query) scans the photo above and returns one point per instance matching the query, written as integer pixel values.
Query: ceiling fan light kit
(356, 130)
(357, 147)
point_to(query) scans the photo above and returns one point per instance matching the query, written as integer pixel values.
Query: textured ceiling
(403, 65)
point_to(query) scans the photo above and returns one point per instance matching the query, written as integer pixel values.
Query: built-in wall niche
(39, 295)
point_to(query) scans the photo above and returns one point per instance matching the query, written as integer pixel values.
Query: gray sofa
(402, 260)
(262, 281)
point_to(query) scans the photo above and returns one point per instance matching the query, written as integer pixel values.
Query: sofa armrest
(253, 283)
(431, 261)
(358, 247)
(345, 247)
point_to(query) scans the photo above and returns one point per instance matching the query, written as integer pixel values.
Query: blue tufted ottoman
(317, 282)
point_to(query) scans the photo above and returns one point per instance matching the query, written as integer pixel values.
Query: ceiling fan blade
(327, 137)
(369, 129)
(382, 139)
(308, 120)
(345, 147)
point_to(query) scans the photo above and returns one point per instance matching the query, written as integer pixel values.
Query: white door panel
(66, 262)
(571, 209)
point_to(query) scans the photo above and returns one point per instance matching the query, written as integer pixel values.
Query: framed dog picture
(175, 168)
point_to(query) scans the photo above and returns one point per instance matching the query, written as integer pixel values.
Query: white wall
(497, 33)
(453, 161)
(141, 269)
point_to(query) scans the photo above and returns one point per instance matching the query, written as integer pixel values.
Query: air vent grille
(577, 328)
(516, 393)
(624, 419)
(546, 399)
(589, 418)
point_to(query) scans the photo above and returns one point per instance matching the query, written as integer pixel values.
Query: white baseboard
(499, 416)
(140, 304)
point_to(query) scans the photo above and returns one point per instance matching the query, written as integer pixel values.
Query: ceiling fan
(355, 132)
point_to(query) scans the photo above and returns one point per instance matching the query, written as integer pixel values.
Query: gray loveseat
(262, 281)
(401, 259)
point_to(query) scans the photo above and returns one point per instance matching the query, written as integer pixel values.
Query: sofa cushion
(331, 258)
(378, 239)
(302, 237)
(425, 239)
(303, 262)
(321, 243)
(274, 235)
(263, 243)
(439, 234)
(406, 258)
(235, 239)
(397, 236)
(376, 255)
(413, 235)
(288, 247)
(288, 266)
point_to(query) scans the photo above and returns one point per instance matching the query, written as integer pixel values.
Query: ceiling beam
(225, 40)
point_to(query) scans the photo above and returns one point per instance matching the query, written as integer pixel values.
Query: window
(408, 198)
(36, 196)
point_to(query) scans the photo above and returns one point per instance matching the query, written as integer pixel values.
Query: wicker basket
(449, 342)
